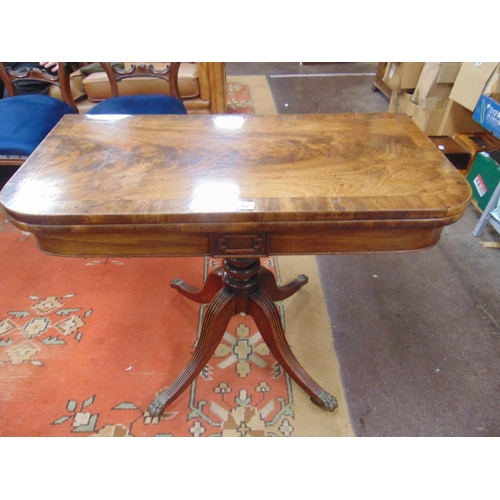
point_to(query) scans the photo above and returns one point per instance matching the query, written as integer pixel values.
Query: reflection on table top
(234, 169)
(186, 185)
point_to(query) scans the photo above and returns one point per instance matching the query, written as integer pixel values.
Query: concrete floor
(318, 88)
(417, 334)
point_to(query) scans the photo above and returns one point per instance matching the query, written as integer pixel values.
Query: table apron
(86, 241)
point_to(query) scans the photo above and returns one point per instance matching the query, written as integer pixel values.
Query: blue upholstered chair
(25, 120)
(145, 104)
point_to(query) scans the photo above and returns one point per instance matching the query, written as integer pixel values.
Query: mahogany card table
(239, 188)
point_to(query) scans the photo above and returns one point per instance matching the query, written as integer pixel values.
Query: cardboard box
(449, 72)
(471, 82)
(484, 177)
(433, 102)
(401, 103)
(402, 75)
(435, 84)
(493, 84)
(428, 120)
(406, 104)
(487, 114)
(458, 120)
(394, 102)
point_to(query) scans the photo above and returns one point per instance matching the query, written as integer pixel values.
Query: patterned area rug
(250, 95)
(239, 98)
(86, 345)
(87, 360)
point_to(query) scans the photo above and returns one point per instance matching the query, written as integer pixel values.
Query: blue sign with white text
(487, 114)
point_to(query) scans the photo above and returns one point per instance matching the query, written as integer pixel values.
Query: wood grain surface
(165, 185)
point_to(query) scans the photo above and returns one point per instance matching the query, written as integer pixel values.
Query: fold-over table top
(198, 169)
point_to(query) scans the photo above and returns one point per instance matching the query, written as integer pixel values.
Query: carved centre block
(239, 244)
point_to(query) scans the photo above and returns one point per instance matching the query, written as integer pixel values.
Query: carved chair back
(9, 77)
(169, 74)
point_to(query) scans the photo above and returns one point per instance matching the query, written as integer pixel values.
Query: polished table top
(235, 185)
(239, 187)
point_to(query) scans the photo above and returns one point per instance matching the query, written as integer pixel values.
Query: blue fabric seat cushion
(25, 120)
(151, 104)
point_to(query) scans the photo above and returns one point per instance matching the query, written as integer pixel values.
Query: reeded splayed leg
(268, 283)
(214, 323)
(212, 285)
(268, 320)
(241, 285)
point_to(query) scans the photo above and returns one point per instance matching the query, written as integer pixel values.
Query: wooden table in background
(240, 188)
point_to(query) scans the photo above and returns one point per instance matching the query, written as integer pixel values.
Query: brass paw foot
(302, 278)
(176, 283)
(156, 408)
(326, 401)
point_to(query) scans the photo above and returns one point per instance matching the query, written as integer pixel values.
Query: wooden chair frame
(41, 75)
(9, 76)
(169, 74)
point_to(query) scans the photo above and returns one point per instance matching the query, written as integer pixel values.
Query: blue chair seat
(151, 104)
(25, 120)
